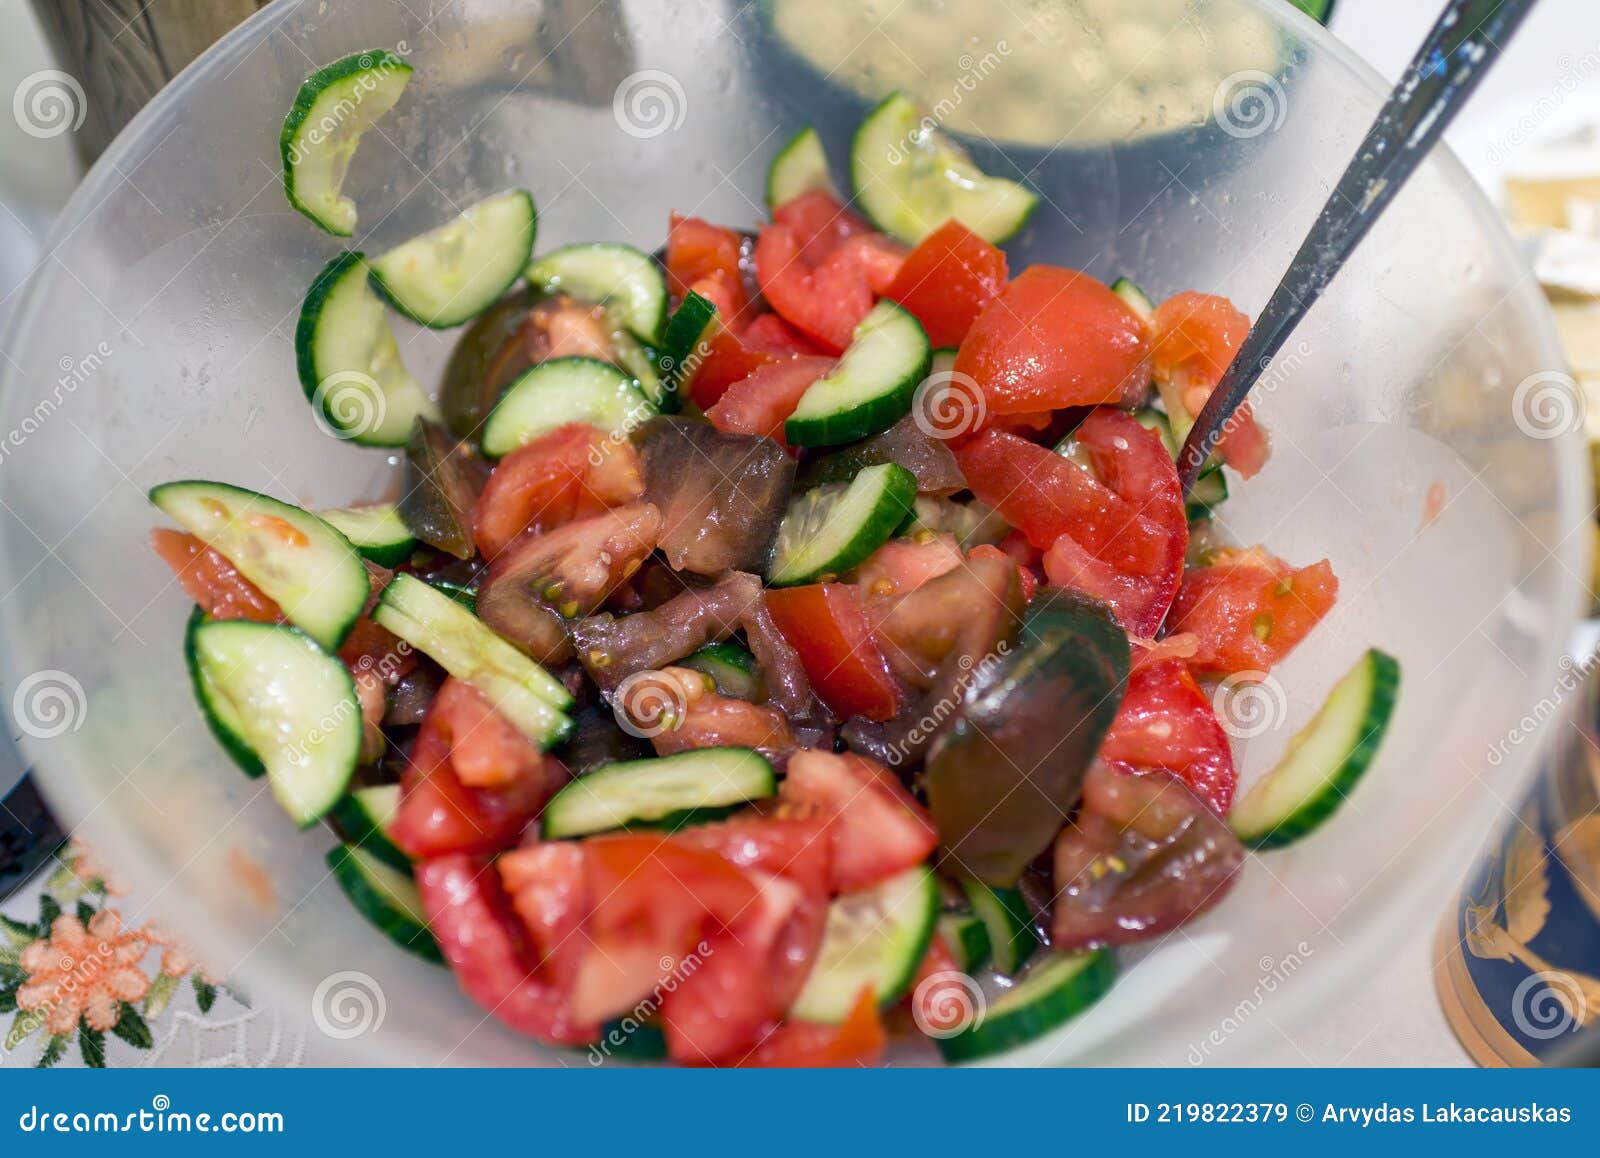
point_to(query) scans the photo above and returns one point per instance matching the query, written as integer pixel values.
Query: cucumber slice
(967, 938)
(430, 620)
(732, 669)
(1006, 918)
(377, 531)
(333, 108)
(300, 562)
(348, 362)
(873, 938)
(640, 361)
(453, 273)
(560, 391)
(911, 178)
(681, 349)
(1136, 300)
(627, 281)
(649, 791)
(282, 707)
(1325, 758)
(831, 528)
(799, 167)
(364, 817)
(1054, 991)
(386, 896)
(871, 387)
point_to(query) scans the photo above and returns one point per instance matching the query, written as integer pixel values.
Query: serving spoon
(1467, 38)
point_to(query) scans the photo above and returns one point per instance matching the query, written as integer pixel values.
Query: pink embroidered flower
(83, 974)
(176, 960)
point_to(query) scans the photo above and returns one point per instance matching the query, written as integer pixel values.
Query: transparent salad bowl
(1423, 438)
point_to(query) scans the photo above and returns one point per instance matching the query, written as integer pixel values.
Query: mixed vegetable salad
(769, 630)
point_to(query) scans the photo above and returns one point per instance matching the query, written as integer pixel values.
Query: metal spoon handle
(1467, 38)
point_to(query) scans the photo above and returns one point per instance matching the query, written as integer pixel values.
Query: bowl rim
(1324, 975)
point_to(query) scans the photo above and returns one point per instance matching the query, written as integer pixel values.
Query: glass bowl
(1424, 438)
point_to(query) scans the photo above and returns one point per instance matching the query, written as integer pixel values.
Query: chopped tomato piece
(576, 567)
(906, 563)
(1056, 338)
(700, 718)
(878, 257)
(876, 827)
(824, 622)
(722, 359)
(1196, 337)
(655, 902)
(696, 249)
(819, 223)
(471, 918)
(762, 402)
(1025, 575)
(210, 580)
(771, 334)
(570, 473)
(1117, 531)
(486, 750)
(1167, 722)
(825, 302)
(375, 650)
(549, 888)
(859, 1040)
(721, 291)
(439, 813)
(1249, 608)
(947, 280)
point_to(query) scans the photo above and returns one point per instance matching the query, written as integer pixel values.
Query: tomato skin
(825, 302)
(1249, 609)
(1055, 338)
(1121, 540)
(696, 250)
(819, 223)
(762, 402)
(824, 622)
(1196, 337)
(772, 335)
(795, 847)
(879, 259)
(860, 1040)
(570, 473)
(439, 814)
(1167, 722)
(726, 360)
(210, 580)
(947, 280)
(722, 292)
(876, 827)
(470, 916)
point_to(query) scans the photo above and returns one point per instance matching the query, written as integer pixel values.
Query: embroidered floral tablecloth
(85, 980)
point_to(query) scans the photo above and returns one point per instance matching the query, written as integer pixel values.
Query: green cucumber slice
(281, 706)
(800, 166)
(732, 669)
(873, 938)
(334, 106)
(560, 391)
(364, 817)
(1053, 992)
(967, 938)
(652, 790)
(1135, 299)
(377, 531)
(872, 386)
(349, 363)
(911, 178)
(454, 272)
(682, 350)
(831, 528)
(1006, 918)
(386, 896)
(300, 562)
(429, 619)
(1325, 759)
(627, 281)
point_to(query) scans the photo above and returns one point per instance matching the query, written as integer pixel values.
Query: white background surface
(1395, 1018)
